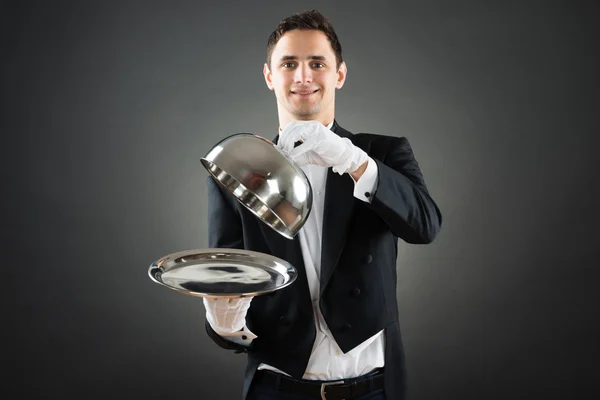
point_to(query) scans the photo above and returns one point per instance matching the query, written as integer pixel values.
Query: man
(334, 333)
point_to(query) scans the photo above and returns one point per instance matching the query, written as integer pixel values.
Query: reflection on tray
(222, 279)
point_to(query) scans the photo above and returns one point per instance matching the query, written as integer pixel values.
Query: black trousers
(269, 385)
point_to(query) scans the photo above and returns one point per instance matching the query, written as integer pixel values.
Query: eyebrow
(289, 58)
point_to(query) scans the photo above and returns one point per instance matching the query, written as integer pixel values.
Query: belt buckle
(325, 384)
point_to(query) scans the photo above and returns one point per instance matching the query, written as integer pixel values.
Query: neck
(325, 117)
(283, 121)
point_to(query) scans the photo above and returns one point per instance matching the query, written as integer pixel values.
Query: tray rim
(166, 263)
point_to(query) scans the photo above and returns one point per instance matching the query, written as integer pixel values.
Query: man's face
(303, 76)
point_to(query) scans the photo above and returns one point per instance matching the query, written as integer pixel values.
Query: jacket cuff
(242, 337)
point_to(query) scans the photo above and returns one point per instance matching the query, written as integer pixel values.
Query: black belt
(327, 390)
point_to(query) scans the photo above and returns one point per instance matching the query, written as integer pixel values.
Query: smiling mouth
(305, 92)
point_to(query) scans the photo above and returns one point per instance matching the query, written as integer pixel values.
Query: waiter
(334, 333)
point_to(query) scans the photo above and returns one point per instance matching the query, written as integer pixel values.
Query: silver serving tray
(222, 272)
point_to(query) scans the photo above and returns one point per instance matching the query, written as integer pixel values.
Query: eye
(287, 65)
(318, 65)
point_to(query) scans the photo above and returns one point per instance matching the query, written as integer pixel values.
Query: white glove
(320, 147)
(227, 315)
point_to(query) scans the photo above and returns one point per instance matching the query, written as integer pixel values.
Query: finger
(308, 145)
(298, 131)
(234, 303)
(282, 143)
(302, 159)
(290, 125)
(288, 138)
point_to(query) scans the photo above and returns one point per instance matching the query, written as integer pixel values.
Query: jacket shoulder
(366, 136)
(378, 145)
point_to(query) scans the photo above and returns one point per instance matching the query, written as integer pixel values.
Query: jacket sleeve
(224, 224)
(401, 197)
(224, 231)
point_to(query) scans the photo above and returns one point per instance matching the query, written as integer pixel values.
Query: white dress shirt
(327, 361)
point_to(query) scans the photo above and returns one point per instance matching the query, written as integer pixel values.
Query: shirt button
(244, 337)
(369, 259)
(356, 291)
(367, 194)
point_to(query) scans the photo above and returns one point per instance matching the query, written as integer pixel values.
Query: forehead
(299, 42)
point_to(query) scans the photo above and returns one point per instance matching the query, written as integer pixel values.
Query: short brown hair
(311, 19)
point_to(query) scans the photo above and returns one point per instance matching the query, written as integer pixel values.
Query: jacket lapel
(337, 215)
(284, 248)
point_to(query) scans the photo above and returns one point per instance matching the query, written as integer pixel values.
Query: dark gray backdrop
(108, 106)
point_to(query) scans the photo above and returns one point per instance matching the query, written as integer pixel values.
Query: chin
(306, 112)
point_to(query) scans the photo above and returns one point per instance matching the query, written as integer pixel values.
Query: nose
(303, 74)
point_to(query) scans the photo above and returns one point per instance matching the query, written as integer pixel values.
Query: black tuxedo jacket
(358, 267)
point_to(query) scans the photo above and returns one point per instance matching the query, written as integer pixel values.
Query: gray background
(108, 106)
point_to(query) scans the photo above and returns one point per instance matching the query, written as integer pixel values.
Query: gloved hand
(227, 315)
(320, 147)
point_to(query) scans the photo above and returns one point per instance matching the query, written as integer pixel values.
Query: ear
(268, 76)
(341, 75)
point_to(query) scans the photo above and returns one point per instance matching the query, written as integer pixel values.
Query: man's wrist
(359, 171)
